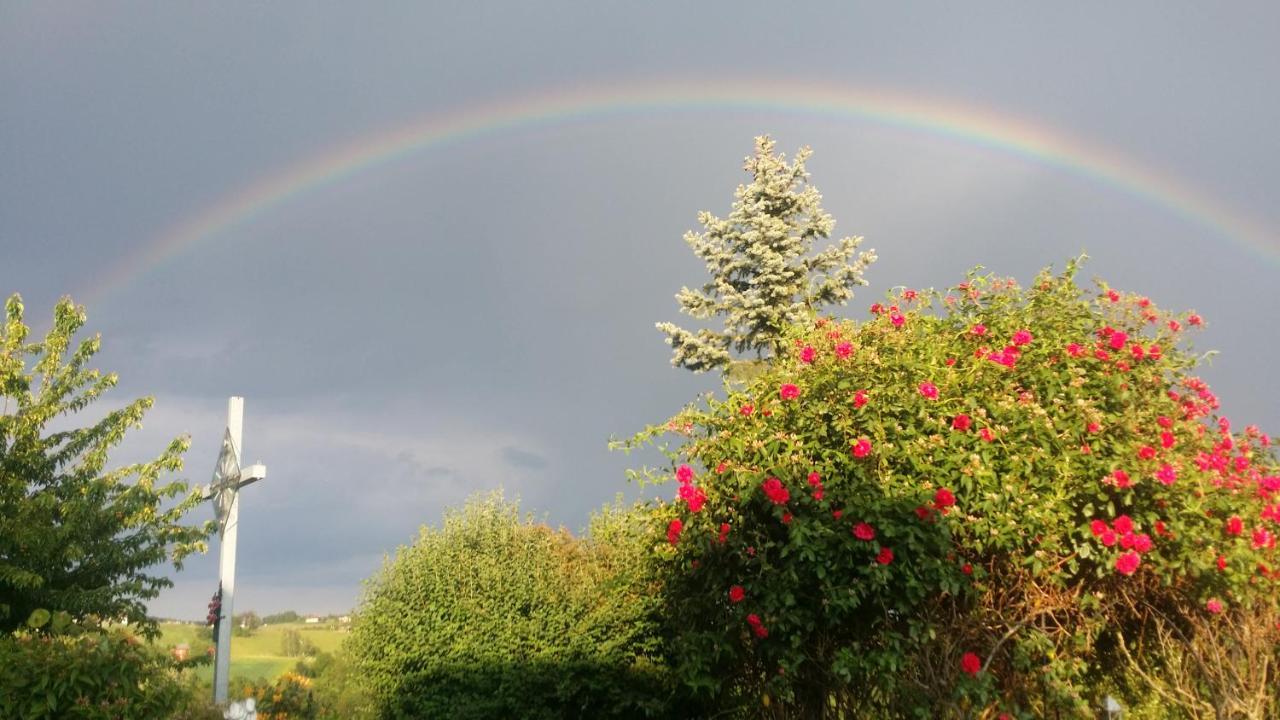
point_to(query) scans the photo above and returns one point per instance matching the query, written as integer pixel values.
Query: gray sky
(480, 313)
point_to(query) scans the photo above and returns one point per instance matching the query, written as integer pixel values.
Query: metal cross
(228, 478)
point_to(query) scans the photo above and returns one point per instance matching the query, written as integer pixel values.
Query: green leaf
(38, 618)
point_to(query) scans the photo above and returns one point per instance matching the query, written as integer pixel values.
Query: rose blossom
(788, 392)
(776, 493)
(1127, 563)
(1235, 525)
(943, 498)
(863, 531)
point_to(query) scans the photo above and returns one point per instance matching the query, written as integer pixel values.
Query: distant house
(344, 619)
(311, 619)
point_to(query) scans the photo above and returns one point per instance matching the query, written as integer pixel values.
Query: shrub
(961, 506)
(339, 689)
(494, 615)
(289, 697)
(293, 644)
(92, 676)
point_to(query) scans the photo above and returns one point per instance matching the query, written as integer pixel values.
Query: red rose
(971, 663)
(1235, 525)
(1127, 563)
(961, 422)
(943, 498)
(673, 531)
(885, 557)
(863, 531)
(776, 493)
(1123, 524)
(736, 594)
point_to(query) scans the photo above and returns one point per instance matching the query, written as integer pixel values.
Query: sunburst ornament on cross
(224, 491)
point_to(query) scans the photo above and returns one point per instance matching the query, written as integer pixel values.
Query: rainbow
(979, 127)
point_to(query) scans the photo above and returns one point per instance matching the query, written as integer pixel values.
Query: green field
(256, 657)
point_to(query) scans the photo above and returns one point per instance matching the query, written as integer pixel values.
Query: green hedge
(495, 615)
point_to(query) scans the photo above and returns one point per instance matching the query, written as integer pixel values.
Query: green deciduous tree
(763, 278)
(75, 536)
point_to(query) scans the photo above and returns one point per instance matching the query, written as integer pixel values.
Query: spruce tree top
(763, 276)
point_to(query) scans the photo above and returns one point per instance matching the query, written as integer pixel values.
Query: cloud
(518, 458)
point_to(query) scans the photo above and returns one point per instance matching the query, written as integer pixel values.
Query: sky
(428, 242)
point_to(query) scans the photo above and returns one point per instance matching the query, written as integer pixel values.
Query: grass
(257, 657)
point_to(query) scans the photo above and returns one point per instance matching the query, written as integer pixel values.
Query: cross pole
(228, 478)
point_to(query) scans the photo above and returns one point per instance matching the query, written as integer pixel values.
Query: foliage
(1209, 665)
(962, 507)
(292, 644)
(94, 675)
(248, 621)
(289, 697)
(762, 277)
(73, 536)
(339, 689)
(288, 616)
(495, 615)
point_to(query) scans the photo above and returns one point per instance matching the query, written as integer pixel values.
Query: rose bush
(964, 505)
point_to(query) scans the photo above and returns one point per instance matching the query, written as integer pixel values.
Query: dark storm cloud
(516, 457)
(480, 315)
